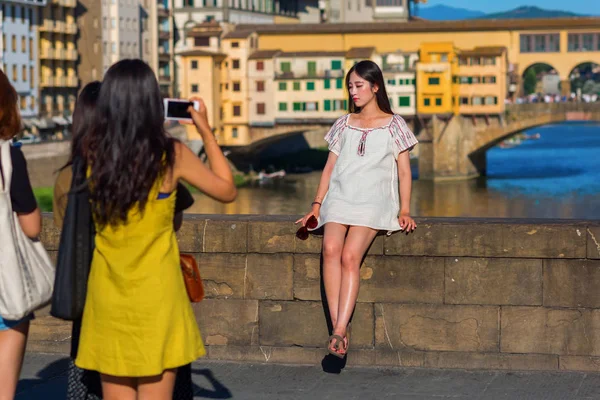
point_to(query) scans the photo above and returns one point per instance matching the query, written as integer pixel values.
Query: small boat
(263, 176)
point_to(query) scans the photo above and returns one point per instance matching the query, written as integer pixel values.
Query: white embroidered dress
(363, 189)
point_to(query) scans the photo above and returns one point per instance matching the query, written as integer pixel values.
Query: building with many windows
(352, 11)
(19, 54)
(482, 80)
(436, 69)
(58, 66)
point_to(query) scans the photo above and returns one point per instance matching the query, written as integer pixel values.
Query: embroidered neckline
(370, 129)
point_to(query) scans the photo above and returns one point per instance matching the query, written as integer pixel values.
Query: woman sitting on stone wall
(358, 192)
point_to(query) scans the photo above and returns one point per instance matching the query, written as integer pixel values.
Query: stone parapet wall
(458, 293)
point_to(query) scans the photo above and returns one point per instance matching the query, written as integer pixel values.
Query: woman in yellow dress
(138, 325)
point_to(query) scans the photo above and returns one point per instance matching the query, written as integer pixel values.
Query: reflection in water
(557, 176)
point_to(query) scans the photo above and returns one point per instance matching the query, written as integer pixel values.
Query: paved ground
(44, 378)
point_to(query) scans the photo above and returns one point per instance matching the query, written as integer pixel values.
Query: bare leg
(333, 243)
(157, 387)
(358, 241)
(118, 388)
(12, 350)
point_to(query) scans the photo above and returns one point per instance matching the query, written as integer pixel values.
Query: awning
(60, 121)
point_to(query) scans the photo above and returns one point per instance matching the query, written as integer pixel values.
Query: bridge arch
(540, 77)
(584, 78)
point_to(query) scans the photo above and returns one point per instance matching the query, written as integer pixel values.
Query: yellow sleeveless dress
(138, 320)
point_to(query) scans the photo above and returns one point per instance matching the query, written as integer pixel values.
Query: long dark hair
(370, 72)
(128, 148)
(83, 117)
(10, 120)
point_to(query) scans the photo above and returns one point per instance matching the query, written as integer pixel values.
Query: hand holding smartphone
(177, 109)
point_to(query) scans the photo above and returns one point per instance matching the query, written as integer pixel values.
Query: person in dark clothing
(13, 334)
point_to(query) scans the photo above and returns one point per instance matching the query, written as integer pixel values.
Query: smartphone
(176, 109)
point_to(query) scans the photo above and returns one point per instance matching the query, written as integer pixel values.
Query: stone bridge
(454, 147)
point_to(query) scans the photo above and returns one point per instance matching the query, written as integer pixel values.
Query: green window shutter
(438, 101)
(434, 81)
(327, 105)
(282, 86)
(327, 83)
(404, 101)
(282, 106)
(470, 80)
(286, 67)
(426, 102)
(336, 64)
(312, 68)
(296, 85)
(303, 106)
(414, 82)
(345, 104)
(392, 82)
(495, 100)
(310, 86)
(339, 83)
(297, 106)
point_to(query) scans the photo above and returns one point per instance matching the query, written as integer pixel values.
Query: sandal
(337, 346)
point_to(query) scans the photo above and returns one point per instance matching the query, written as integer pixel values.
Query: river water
(555, 176)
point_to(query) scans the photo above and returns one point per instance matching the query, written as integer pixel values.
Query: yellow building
(437, 66)
(482, 80)
(58, 59)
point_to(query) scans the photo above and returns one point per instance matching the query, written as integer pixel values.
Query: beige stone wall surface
(458, 293)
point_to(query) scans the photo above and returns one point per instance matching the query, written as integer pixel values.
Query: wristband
(315, 202)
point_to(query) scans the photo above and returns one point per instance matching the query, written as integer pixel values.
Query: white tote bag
(26, 272)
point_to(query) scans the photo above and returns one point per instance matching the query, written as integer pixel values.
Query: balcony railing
(70, 28)
(164, 78)
(164, 34)
(47, 26)
(71, 54)
(47, 81)
(65, 3)
(326, 74)
(47, 53)
(71, 81)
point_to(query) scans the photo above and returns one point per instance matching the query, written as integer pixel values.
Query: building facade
(19, 54)
(58, 66)
(353, 11)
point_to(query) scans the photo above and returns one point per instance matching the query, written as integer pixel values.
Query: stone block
(49, 347)
(188, 237)
(400, 358)
(572, 283)
(224, 236)
(402, 280)
(436, 327)
(491, 361)
(478, 239)
(228, 322)
(313, 244)
(289, 323)
(50, 234)
(593, 242)
(267, 354)
(50, 329)
(307, 277)
(271, 237)
(493, 281)
(550, 331)
(579, 363)
(269, 276)
(223, 274)
(376, 248)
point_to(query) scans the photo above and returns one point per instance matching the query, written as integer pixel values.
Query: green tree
(530, 81)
